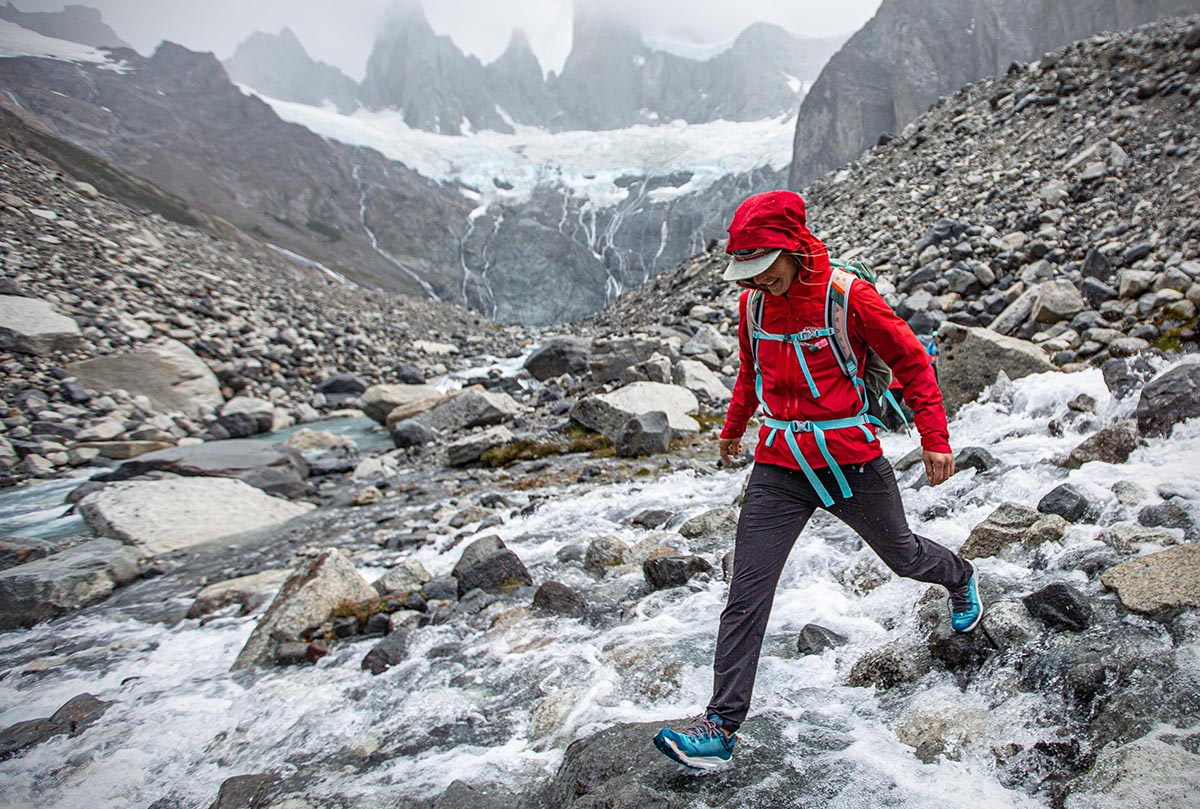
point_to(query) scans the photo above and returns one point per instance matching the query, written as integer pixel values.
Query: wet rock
(274, 468)
(291, 653)
(248, 592)
(388, 404)
(461, 795)
(644, 434)
(307, 599)
(84, 574)
(1127, 538)
(1171, 514)
(714, 522)
(74, 717)
(663, 572)
(970, 358)
(488, 564)
(604, 553)
(342, 388)
(408, 576)
(551, 716)
(891, 665)
(558, 356)
(244, 416)
(555, 597)
(815, 639)
(167, 372)
(389, 652)
(1060, 606)
(976, 458)
(470, 448)
(651, 517)
(1144, 774)
(864, 574)
(410, 433)
(159, 516)
(1009, 625)
(1169, 399)
(1158, 582)
(942, 730)
(1113, 444)
(1011, 524)
(246, 792)
(1068, 502)
(606, 413)
(19, 550)
(31, 326)
(441, 589)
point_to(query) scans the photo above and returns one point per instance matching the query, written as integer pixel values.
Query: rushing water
(467, 700)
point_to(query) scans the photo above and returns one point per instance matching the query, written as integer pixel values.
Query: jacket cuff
(936, 442)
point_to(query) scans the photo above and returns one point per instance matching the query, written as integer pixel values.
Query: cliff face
(279, 67)
(80, 24)
(913, 52)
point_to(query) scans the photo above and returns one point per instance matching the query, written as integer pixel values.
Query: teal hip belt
(818, 429)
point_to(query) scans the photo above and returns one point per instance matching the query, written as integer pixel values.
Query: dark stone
(815, 639)
(291, 653)
(388, 652)
(460, 795)
(557, 598)
(1096, 266)
(926, 322)
(1068, 502)
(1113, 444)
(246, 792)
(336, 461)
(317, 649)
(378, 624)
(22, 735)
(644, 434)
(79, 712)
(961, 652)
(443, 589)
(345, 626)
(1097, 292)
(651, 517)
(410, 375)
(1166, 515)
(976, 458)
(274, 468)
(18, 550)
(342, 388)
(941, 230)
(673, 571)
(242, 425)
(1060, 606)
(410, 433)
(1169, 399)
(488, 565)
(1136, 252)
(558, 356)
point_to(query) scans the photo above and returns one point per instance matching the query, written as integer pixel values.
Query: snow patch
(16, 41)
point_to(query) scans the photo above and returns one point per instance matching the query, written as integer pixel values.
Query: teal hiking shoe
(966, 607)
(703, 746)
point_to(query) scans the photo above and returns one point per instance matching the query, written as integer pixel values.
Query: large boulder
(644, 434)
(473, 407)
(379, 401)
(1057, 300)
(64, 581)
(969, 360)
(1146, 774)
(1158, 582)
(700, 380)
(558, 356)
(1169, 398)
(306, 599)
(160, 516)
(31, 326)
(607, 413)
(487, 564)
(1113, 444)
(167, 372)
(1011, 524)
(274, 468)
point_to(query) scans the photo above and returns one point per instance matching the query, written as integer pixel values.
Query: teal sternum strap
(797, 340)
(818, 429)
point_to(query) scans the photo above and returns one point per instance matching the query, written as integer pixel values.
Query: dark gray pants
(778, 504)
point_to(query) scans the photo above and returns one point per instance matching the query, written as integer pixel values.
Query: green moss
(520, 450)
(1167, 342)
(709, 420)
(328, 231)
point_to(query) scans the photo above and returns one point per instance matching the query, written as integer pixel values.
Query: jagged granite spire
(278, 66)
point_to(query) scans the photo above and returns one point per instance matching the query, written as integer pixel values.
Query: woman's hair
(803, 261)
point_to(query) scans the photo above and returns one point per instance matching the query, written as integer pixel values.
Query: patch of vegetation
(1167, 342)
(328, 231)
(581, 439)
(520, 450)
(709, 420)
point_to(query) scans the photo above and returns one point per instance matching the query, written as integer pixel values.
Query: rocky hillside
(75, 23)
(1054, 203)
(914, 52)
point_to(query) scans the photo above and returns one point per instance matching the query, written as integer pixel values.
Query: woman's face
(779, 276)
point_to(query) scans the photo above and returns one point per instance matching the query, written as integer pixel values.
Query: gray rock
(306, 599)
(558, 356)
(1169, 399)
(603, 553)
(700, 380)
(74, 717)
(380, 402)
(970, 359)
(662, 572)
(84, 574)
(890, 665)
(389, 652)
(606, 413)
(19, 550)
(1158, 582)
(1009, 625)
(1113, 444)
(249, 592)
(644, 434)
(242, 791)
(167, 372)
(716, 521)
(1144, 774)
(488, 565)
(460, 795)
(410, 433)
(555, 597)
(342, 388)
(159, 516)
(470, 448)
(1011, 524)
(1127, 538)
(407, 577)
(1016, 313)
(1057, 300)
(815, 639)
(272, 467)
(1171, 514)
(1060, 606)
(31, 326)
(976, 458)
(470, 408)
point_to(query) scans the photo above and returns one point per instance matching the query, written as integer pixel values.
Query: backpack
(876, 376)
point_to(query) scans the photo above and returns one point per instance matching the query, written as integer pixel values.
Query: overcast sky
(341, 32)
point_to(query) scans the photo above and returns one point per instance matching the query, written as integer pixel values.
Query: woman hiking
(817, 446)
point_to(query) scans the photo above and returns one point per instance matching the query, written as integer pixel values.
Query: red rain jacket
(871, 323)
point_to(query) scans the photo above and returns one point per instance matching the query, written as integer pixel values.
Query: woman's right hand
(731, 450)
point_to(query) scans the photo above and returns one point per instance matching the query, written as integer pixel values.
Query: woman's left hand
(939, 466)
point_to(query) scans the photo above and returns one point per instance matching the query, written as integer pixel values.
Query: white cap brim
(741, 270)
